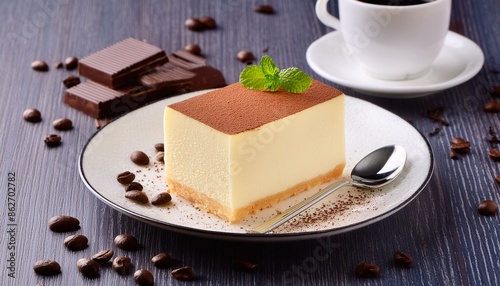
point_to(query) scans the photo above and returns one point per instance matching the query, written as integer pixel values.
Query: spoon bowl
(375, 170)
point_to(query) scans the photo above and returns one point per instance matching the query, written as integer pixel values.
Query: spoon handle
(296, 209)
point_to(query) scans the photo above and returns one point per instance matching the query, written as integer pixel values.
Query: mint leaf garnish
(294, 80)
(267, 76)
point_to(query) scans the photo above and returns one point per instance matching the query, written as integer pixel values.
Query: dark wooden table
(450, 242)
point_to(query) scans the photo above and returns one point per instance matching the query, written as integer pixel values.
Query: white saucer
(458, 62)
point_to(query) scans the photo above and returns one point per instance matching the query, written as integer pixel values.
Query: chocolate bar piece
(177, 72)
(121, 63)
(101, 102)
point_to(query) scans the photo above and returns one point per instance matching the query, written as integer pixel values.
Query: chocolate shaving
(435, 115)
(435, 132)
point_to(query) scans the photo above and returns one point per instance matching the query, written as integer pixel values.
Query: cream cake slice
(234, 151)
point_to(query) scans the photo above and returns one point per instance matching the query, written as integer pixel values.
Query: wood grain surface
(451, 244)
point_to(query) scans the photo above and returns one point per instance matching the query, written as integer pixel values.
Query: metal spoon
(376, 169)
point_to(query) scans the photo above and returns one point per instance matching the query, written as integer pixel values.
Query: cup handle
(325, 17)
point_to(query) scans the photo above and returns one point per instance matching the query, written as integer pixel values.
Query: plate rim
(401, 92)
(254, 237)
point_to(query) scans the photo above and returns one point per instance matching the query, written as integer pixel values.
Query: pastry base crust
(233, 216)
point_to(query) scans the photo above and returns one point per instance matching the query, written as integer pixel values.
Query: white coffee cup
(390, 42)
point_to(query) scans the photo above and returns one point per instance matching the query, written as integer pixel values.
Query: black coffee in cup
(396, 2)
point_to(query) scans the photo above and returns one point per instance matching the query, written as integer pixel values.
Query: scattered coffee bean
(125, 177)
(403, 259)
(194, 24)
(52, 140)
(71, 80)
(160, 147)
(134, 186)
(367, 270)
(137, 196)
(142, 277)
(208, 22)
(58, 65)
(32, 115)
(76, 242)
(140, 158)
(193, 49)
(122, 265)
(47, 267)
(40, 66)
(492, 106)
(184, 273)
(63, 223)
(245, 265)
(126, 242)
(162, 260)
(245, 56)
(103, 256)
(161, 199)
(160, 157)
(264, 9)
(497, 179)
(494, 154)
(495, 91)
(71, 63)
(460, 145)
(62, 124)
(487, 208)
(89, 268)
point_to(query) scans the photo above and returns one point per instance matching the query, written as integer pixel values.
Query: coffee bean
(245, 56)
(162, 260)
(160, 157)
(160, 147)
(62, 223)
(140, 158)
(62, 124)
(134, 186)
(245, 265)
(492, 106)
(193, 49)
(497, 179)
(208, 22)
(184, 273)
(494, 154)
(47, 267)
(487, 208)
(126, 242)
(103, 256)
(403, 259)
(137, 196)
(368, 270)
(71, 63)
(495, 91)
(52, 140)
(76, 242)
(89, 268)
(122, 265)
(71, 80)
(40, 66)
(125, 177)
(58, 65)
(32, 115)
(161, 199)
(194, 24)
(264, 9)
(459, 144)
(142, 277)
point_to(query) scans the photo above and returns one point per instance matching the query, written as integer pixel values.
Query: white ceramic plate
(367, 127)
(458, 62)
